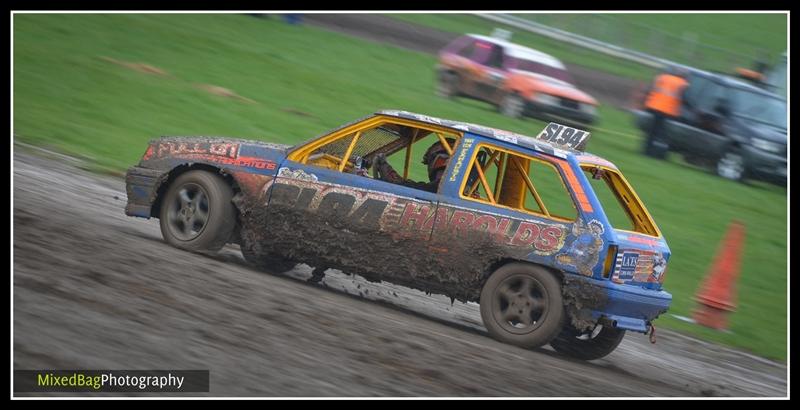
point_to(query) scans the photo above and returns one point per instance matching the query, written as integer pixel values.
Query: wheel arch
(168, 178)
(497, 264)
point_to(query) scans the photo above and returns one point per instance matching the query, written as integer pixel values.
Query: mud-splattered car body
(445, 242)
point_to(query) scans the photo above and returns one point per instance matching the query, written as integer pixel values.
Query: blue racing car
(552, 242)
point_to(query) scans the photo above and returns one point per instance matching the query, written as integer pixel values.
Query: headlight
(589, 109)
(546, 99)
(768, 146)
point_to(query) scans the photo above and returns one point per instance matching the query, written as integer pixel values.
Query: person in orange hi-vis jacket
(663, 101)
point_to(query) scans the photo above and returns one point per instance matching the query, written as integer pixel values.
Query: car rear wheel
(588, 346)
(447, 85)
(731, 165)
(197, 213)
(521, 304)
(512, 105)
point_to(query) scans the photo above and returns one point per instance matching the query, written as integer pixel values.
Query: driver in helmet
(435, 158)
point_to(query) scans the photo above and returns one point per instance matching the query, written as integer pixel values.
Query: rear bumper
(630, 307)
(142, 187)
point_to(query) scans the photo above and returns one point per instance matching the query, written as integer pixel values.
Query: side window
(695, 88)
(528, 184)
(495, 57)
(343, 153)
(404, 147)
(551, 189)
(483, 49)
(711, 97)
(467, 50)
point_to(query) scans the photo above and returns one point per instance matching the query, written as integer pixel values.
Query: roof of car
(731, 81)
(518, 51)
(488, 132)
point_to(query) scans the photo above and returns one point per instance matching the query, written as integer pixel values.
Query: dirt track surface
(95, 289)
(607, 88)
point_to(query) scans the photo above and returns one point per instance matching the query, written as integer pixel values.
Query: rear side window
(369, 141)
(520, 182)
(551, 189)
(622, 207)
(467, 50)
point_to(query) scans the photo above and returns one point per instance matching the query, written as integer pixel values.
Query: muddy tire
(447, 85)
(269, 263)
(731, 165)
(513, 105)
(521, 304)
(570, 343)
(197, 213)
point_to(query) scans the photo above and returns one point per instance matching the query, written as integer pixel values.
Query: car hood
(554, 86)
(761, 130)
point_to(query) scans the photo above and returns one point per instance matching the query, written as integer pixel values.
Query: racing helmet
(436, 157)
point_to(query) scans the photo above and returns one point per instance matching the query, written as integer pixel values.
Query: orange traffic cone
(717, 295)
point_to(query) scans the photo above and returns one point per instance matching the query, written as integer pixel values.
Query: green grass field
(305, 80)
(747, 34)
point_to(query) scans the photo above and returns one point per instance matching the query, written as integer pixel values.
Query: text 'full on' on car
(552, 242)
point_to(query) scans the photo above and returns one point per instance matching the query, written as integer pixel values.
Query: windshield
(515, 63)
(759, 107)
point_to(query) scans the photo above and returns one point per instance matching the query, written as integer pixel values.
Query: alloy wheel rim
(731, 166)
(189, 212)
(512, 106)
(520, 304)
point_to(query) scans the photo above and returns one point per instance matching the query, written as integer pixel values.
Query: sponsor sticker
(628, 262)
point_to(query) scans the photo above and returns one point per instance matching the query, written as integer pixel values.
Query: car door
(483, 73)
(346, 220)
(483, 227)
(698, 130)
(490, 84)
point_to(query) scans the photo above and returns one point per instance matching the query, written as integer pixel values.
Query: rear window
(621, 205)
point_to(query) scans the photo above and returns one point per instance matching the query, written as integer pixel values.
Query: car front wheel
(197, 213)
(731, 165)
(521, 304)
